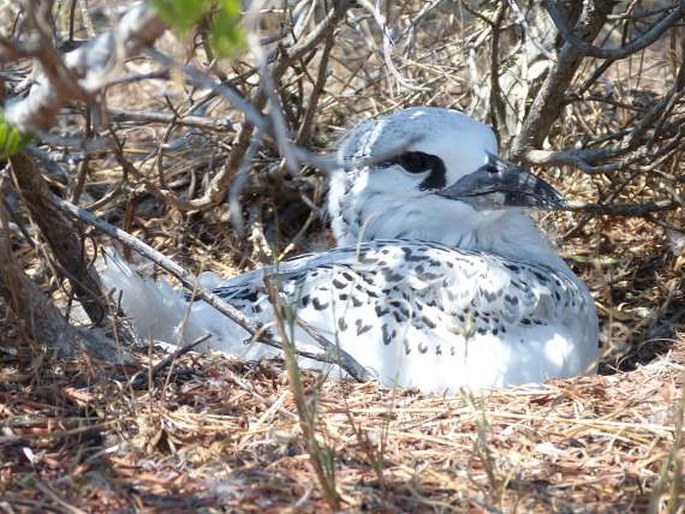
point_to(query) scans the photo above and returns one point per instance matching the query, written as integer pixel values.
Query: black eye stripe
(420, 162)
(413, 162)
(416, 162)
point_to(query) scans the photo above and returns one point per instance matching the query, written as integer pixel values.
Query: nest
(214, 435)
(207, 433)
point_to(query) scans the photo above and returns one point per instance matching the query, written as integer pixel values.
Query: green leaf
(11, 140)
(181, 14)
(227, 32)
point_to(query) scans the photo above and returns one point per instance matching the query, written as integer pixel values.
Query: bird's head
(431, 174)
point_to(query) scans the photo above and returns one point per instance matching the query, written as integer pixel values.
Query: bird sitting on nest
(439, 281)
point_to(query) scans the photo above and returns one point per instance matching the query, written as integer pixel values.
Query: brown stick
(550, 99)
(40, 319)
(329, 354)
(60, 233)
(640, 43)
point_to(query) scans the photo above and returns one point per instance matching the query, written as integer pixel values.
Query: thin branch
(202, 80)
(497, 108)
(240, 180)
(343, 360)
(388, 44)
(642, 42)
(307, 122)
(216, 191)
(209, 124)
(632, 146)
(530, 35)
(335, 15)
(142, 379)
(581, 159)
(90, 66)
(549, 101)
(638, 209)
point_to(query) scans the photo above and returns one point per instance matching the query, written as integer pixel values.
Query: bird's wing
(424, 285)
(424, 315)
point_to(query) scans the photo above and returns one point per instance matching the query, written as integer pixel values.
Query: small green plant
(482, 450)
(321, 456)
(11, 140)
(667, 494)
(226, 31)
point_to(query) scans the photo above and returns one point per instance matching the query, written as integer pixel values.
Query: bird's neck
(511, 234)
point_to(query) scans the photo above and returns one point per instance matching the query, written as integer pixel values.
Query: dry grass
(212, 434)
(217, 435)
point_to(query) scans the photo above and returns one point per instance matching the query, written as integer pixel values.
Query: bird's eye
(413, 162)
(420, 162)
(492, 169)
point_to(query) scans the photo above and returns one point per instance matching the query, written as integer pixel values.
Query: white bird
(440, 279)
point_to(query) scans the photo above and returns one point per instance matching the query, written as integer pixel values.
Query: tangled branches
(130, 120)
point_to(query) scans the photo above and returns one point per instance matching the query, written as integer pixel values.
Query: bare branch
(550, 99)
(40, 318)
(497, 108)
(638, 44)
(199, 79)
(191, 283)
(388, 44)
(307, 123)
(632, 209)
(60, 233)
(91, 66)
(210, 124)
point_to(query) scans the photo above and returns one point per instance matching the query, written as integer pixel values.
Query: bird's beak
(500, 184)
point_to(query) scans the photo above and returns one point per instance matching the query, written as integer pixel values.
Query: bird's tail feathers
(158, 310)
